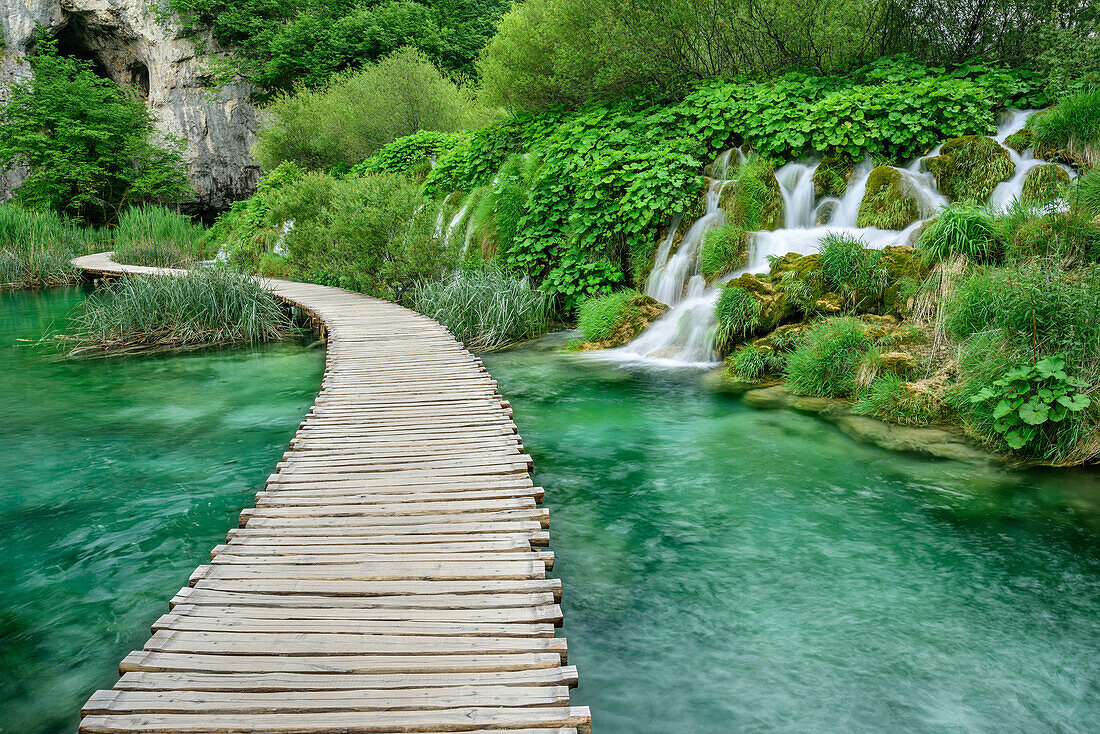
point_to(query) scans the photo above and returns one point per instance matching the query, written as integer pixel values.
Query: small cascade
(439, 219)
(1006, 191)
(684, 336)
(456, 220)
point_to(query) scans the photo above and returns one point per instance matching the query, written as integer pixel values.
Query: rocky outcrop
(969, 168)
(132, 43)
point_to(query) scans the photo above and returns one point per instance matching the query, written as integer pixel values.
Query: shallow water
(734, 570)
(119, 476)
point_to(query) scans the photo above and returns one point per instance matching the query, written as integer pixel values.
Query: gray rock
(132, 42)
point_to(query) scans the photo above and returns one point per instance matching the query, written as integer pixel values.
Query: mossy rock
(1044, 182)
(832, 175)
(772, 309)
(636, 317)
(906, 270)
(724, 250)
(969, 168)
(755, 200)
(825, 212)
(1020, 141)
(888, 202)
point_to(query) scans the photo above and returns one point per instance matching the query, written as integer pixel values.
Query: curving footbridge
(391, 577)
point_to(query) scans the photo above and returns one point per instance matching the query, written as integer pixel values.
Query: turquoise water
(734, 570)
(118, 478)
(725, 569)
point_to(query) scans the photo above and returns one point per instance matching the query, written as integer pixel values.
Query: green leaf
(1033, 414)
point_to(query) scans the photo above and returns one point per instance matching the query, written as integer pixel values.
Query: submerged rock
(969, 168)
(133, 44)
(889, 202)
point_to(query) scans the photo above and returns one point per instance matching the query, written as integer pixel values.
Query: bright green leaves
(1031, 399)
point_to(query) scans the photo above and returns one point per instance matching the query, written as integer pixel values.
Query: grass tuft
(597, 318)
(724, 250)
(960, 229)
(825, 361)
(157, 237)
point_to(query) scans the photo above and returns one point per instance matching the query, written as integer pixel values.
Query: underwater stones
(831, 176)
(636, 317)
(970, 167)
(888, 202)
(1043, 183)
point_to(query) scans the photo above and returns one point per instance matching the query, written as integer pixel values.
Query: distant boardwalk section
(390, 577)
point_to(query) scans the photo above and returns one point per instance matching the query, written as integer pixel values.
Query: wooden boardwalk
(390, 578)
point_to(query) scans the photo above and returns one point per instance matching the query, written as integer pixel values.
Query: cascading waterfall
(441, 217)
(684, 336)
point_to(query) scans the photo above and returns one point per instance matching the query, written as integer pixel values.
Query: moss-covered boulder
(748, 307)
(754, 201)
(724, 250)
(824, 213)
(1020, 141)
(970, 167)
(1044, 182)
(832, 175)
(613, 320)
(888, 202)
(906, 270)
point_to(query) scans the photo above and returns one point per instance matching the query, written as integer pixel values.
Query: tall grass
(197, 308)
(824, 362)
(1072, 125)
(597, 318)
(155, 236)
(724, 250)
(485, 309)
(35, 247)
(960, 229)
(851, 269)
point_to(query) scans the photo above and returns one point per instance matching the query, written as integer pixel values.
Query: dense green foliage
(723, 250)
(280, 44)
(737, 315)
(1071, 127)
(890, 398)
(87, 143)
(358, 112)
(201, 307)
(597, 318)
(157, 237)
(485, 309)
(852, 270)
(411, 154)
(961, 229)
(36, 247)
(825, 360)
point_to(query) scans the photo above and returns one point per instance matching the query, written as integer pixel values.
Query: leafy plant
(1030, 399)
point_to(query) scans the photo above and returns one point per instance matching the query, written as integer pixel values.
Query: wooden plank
(152, 661)
(519, 614)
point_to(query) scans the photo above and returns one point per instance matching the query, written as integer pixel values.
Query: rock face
(131, 42)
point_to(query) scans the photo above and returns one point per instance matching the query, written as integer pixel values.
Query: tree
(88, 144)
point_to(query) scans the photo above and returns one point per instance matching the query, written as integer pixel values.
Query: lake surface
(725, 569)
(119, 476)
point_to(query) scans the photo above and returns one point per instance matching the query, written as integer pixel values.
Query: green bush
(961, 229)
(1072, 126)
(201, 307)
(754, 363)
(358, 112)
(826, 358)
(1039, 307)
(724, 250)
(89, 144)
(597, 318)
(154, 236)
(1067, 235)
(849, 268)
(888, 398)
(485, 309)
(737, 314)
(410, 153)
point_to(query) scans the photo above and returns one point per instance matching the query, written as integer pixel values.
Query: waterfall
(441, 216)
(455, 222)
(684, 336)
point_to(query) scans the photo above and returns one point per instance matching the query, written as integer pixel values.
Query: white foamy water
(684, 337)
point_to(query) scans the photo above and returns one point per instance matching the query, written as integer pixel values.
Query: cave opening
(106, 49)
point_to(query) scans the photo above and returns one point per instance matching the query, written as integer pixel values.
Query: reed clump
(485, 309)
(157, 237)
(204, 307)
(36, 247)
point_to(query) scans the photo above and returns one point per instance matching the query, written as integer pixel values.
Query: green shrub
(754, 363)
(852, 270)
(1071, 126)
(597, 318)
(825, 360)
(888, 398)
(754, 201)
(485, 309)
(960, 229)
(737, 314)
(408, 154)
(1066, 235)
(724, 250)
(1086, 194)
(359, 112)
(1038, 307)
(89, 145)
(201, 307)
(154, 236)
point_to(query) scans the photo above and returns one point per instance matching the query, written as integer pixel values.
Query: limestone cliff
(132, 42)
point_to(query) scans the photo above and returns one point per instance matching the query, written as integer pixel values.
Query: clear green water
(118, 477)
(734, 570)
(725, 569)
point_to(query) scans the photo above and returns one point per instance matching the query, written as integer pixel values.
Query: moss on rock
(747, 307)
(832, 175)
(754, 201)
(1044, 182)
(613, 320)
(906, 270)
(724, 250)
(970, 167)
(1020, 141)
(888, 202)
